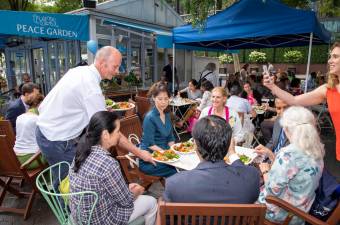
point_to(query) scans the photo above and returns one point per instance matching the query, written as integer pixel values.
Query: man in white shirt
(68, 107)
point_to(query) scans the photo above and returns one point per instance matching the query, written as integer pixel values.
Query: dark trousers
(55, 152)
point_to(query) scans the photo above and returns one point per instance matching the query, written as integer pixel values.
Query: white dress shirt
(233, 120)
(68, 107)
(25, 139)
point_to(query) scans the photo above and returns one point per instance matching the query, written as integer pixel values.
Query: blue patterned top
(155, 132)
(293, 177)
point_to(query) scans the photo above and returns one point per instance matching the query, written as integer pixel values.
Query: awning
(48, 25)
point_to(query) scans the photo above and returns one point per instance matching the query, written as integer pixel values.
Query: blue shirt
(155, 132)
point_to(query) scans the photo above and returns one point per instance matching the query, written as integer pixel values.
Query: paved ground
(42, 215)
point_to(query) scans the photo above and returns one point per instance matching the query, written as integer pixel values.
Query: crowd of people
(72, 124)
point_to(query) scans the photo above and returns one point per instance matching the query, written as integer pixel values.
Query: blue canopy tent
(255, 24)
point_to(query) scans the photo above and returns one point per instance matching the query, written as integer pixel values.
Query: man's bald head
(107, 62)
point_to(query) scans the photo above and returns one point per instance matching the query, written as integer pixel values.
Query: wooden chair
(7, 129)
(208, 213)
(293, 211)
(143, 106)
(10, 168)
(132, 126)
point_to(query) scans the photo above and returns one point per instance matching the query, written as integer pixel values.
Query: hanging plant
(257, 57)
(225, 58)
(293, 56)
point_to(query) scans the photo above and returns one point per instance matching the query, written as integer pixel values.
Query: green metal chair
(59, 202)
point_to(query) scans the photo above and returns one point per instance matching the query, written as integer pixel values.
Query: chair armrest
(293, 210)
(32, 159)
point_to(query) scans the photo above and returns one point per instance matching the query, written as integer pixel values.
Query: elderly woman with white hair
(295, 173)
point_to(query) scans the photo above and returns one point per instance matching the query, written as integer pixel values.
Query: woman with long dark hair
(94, 169)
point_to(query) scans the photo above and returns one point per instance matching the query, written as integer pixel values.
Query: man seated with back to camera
(213, 180)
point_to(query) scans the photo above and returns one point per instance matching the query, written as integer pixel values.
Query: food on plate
(117, 105)
(168, 155)
(109, 102)
(185, 147)
(245, 159)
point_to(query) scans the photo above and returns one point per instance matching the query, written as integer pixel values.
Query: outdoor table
(176, 104)
(188, 161)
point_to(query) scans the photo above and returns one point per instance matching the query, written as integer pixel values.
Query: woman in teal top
(157, 131)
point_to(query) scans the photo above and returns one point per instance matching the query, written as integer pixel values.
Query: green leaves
(293, 56)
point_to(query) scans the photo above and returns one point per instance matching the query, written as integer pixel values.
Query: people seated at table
(209, 73)
(21, 105)
(157, 131)
(294, 175)
(219, 99)
(193, 92)
(94, 169)
(213, 180)
(274, 130)
(253, 96)
(25, 140)
(205, 101)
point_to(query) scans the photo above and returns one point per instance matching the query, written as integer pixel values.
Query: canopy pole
(173, 68)
(308, 61)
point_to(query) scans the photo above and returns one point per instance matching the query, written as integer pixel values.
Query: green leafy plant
(257, 57)
(225, 58)
(132, 79)
(293, 56)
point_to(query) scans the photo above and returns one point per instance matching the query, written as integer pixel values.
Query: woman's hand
(268, 81)
(146, 156)
(136, 189)
(262, 150)
(264, 168)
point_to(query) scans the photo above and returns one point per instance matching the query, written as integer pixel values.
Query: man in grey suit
(278, 139)
(213, 180)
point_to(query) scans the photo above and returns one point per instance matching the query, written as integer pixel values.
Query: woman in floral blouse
(294, 175)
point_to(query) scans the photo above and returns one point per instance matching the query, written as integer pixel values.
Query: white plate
(131, 106)
(259, 111)
(247, 152)
(178, 152)
(169, 161)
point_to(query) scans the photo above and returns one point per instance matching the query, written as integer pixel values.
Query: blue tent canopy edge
(254, 24)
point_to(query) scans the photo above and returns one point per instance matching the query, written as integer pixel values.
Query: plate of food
(186, 147)
(260, 109)
(246, 155)
(119, 106)
(168, 156)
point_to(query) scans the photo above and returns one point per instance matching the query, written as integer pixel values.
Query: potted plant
(225, 59)
(132, 79)
(292, 57)
(257, 57)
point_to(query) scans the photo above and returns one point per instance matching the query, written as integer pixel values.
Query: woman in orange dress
(329, 92)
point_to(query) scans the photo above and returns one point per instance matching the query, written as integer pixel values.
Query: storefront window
(61, 58)
(52, 63)
(71, 54)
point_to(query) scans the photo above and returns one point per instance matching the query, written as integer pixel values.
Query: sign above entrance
(48, 25)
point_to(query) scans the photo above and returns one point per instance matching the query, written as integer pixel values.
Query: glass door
(39, 73)
(17, 65)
